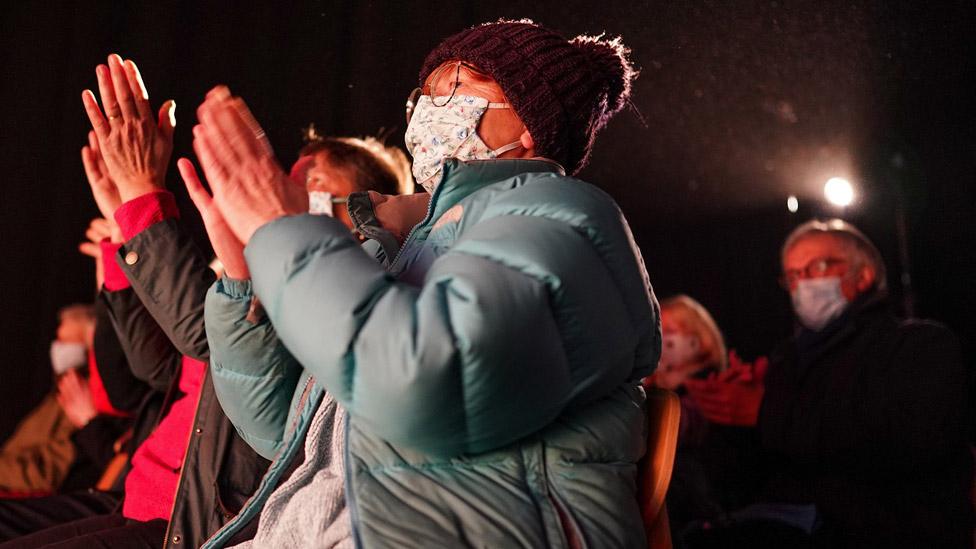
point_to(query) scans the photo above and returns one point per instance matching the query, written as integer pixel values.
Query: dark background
(739, 105)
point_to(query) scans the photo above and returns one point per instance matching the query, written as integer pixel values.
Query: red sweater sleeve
(142, 212)
(98, 393)
(115, 279)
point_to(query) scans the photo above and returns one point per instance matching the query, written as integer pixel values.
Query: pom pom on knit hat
(614, 61)
(564, 91)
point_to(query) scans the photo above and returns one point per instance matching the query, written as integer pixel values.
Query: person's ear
(528, 144)
(866, 278)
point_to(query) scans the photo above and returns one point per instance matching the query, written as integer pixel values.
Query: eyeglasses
(432, 86)
(814, 269)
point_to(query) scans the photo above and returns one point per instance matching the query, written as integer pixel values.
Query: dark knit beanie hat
(564, 91)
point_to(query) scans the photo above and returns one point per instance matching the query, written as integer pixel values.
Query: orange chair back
(115, 466)
(112, 471)
(664, 417)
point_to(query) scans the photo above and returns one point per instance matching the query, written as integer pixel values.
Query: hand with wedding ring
(249, 186)
(134, 144)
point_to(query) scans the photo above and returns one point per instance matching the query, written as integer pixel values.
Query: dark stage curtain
(738, 105)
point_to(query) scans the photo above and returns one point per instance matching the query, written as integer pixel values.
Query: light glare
(839, 191)
(792, 204)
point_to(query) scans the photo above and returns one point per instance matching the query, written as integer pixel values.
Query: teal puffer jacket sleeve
(254, 376)
(519, 319)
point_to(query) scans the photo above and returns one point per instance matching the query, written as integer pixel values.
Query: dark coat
(170, 278)
(866, 419)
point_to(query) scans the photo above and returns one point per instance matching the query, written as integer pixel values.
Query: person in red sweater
(151, 484)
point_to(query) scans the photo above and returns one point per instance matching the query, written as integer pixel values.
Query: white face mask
(678, 349)
(817, 301)
(321, 203)
(67, 356)
(438, 133)
(679, 355)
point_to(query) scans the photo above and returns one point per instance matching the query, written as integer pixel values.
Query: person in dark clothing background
(863, 427)
(66, 442)
(90, 488)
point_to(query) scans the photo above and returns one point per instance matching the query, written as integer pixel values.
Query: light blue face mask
(817, 301)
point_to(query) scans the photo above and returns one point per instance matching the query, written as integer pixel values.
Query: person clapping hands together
(250, 187)
(135, 145)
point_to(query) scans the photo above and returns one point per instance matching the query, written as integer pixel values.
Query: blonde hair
(394, 159)
(693, 318)
(372, 164)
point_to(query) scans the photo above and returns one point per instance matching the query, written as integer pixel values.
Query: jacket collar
(461, 178)
(865, 309)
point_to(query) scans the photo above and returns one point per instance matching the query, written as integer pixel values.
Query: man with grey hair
(863, 422)
(821, 251)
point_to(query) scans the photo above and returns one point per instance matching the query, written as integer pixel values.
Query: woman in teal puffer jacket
(479, 385)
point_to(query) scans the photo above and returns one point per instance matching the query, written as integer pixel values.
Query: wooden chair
(664, 415)
(115, 466)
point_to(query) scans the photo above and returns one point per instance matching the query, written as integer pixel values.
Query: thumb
(200, 197)
(167, 119)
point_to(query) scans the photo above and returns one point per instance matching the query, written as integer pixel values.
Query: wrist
(116, 233)
(83, 420)
(133, 189)
(236, 272)
(259, 221)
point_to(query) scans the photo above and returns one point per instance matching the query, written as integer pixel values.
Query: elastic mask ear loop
(511, 146)
(505, 148)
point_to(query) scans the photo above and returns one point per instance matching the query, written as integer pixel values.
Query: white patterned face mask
(436, 133)
(323, 203)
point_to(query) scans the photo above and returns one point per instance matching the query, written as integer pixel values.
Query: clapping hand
(103, 189)
(135, 145)
(99, 230)
(250, 188)
(75, 399)
(732, 397)
(228, 248)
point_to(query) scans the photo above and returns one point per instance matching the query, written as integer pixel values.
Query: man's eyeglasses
(814, 269)
(432, 87)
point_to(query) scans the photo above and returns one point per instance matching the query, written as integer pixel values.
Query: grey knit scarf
(309, 509)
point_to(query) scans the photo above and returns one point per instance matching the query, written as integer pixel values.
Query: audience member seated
(691, 347)
(66, 442)
(37, 456)
(862, 427)
(332, 168)
(488, 371)
(156, 281)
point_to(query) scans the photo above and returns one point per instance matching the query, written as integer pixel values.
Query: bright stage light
(792, 204)
(839, 191)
